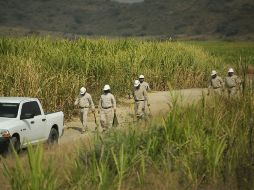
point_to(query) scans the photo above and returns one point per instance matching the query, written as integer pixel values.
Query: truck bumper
(4, 143)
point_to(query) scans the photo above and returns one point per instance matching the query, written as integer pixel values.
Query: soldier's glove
(148, 105)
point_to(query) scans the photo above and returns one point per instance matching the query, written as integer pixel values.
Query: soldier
(232, 83)
(143, 83)
(216, 84)
(140, 97)
(107, 108)
(85, 102)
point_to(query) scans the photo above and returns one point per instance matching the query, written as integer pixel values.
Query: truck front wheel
(14, 145)
(53, 136)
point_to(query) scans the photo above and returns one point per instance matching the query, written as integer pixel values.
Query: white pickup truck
(23, 121)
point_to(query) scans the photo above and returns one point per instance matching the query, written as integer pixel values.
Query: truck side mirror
(27, 116)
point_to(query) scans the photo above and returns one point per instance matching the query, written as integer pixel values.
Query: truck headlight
(5, 133)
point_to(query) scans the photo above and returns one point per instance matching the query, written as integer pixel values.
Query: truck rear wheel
(53, 136)
(14, 145)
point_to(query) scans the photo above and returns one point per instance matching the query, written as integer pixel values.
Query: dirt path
(160, 104)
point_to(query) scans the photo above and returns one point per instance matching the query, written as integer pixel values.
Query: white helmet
(106, 87)
(230, 70)
(82, 90)
(141, 77)
(136, 83)
(213, 73)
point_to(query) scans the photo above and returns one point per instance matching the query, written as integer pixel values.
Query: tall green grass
(53, 70)
(208, 144)
(229, 53)
(31, 176)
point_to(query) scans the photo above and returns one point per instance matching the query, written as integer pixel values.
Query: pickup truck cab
(23, 121)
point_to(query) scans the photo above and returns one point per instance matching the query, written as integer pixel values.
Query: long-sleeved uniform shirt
(85, 101)
(233, 81)
(216, 83)
(140, 94)
(145, 85)
(107, 101)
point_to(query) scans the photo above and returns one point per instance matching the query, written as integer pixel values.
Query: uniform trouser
(216, 91)
(83, 117)
(140, 108)
(146, 107)
(232, 91)
(106, 118)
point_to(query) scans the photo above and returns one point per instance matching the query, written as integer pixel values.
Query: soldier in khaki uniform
(215, 85)
(140, 97)
(146, 86)
(107, 108)
(85, 102)
(143, 83)
(232, 83)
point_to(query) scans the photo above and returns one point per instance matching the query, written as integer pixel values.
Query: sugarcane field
(126, 94)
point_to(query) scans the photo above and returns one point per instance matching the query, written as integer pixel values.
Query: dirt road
(160, 104)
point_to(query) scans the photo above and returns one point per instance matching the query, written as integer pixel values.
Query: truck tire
(14, 145)
(53, 136)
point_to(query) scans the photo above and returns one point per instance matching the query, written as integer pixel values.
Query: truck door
(34, 127)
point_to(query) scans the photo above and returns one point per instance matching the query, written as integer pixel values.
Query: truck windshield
(9, 110)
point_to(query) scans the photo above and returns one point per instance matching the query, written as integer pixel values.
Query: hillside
(180, 18)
